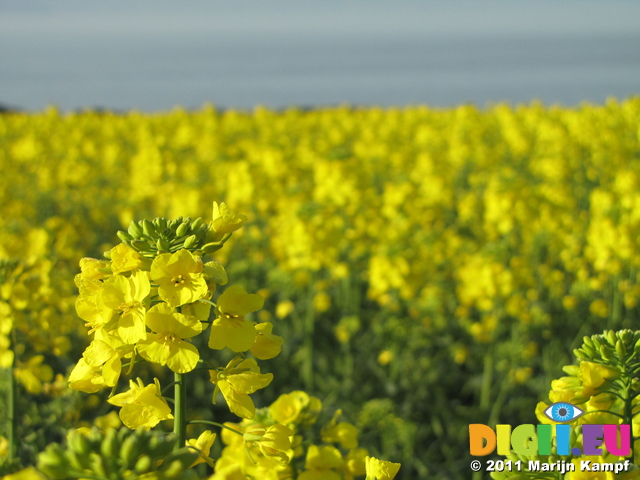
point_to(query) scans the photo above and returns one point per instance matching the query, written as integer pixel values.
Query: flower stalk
(180, 399)
(11, 406)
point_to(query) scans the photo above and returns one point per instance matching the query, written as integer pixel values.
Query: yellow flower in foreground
(106, 354)
(29, 473)
(236, 381)
(93, 269)
(355, 461)
(296, 407)
(274, 442)
(127, 295)
(223, 221)
(142, 406)
(267, 345)
(321, 463)
(566, 389)
(230, 329)
(179, 277)
(86, 378)
(166, 346)
(593, 376)
(230, 472)
(124, 258)
(203, 445)
(380, 469)
(90, 305)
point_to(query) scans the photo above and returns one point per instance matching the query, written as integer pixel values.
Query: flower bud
(143, 464)
(182, 229)
(160, 223)
(190, 241)
(134, 229)
(124, 236)
(211, 247)
(148, 228)
(195, 225)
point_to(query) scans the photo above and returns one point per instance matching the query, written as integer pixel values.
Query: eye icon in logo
(563, 412)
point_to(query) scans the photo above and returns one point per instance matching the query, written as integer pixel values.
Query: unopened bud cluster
(123, 453)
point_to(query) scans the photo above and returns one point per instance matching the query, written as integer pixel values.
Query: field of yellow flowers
(426, 268)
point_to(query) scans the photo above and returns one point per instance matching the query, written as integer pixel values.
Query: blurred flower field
(426, 268)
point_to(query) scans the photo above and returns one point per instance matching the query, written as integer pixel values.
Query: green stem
(166, 389)
(623, 417)
(180, 399)
(216, 424)
(628, 415)
(204, 300)
(11, 403)
(498, 403)
(487, 381)
(308, 340)
(11, 414)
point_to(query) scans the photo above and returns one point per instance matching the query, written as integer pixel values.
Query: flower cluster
(144, 303)
(604, 386)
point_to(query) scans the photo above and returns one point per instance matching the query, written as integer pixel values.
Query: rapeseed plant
(145, 304)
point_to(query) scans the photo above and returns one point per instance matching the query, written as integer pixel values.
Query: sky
(156, 54)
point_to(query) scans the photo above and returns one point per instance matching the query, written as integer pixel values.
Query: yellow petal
(235, 333)
(266, 345)
(236, 301)
(152, 350)
(183, 358)
(380, 469)
(124, 258)
(97, 353)
(239, 403)
(131, 327)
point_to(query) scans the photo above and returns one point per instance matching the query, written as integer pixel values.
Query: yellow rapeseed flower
(236, 381)
(94, 269)
(90, 306)
(203, 446)
(230, 329)
(380, 469)
(126, 295)
(229, 472)
(322, 463)
(294, 408)
(86, 378)
(594, 375)
(179, 277)
(29, 473)
(106, 353)
(166, 346)
(142, 406)
(274, 442)
(32, 373)
(124, 258)
(266, 345)
(223, 221)
(344, 433)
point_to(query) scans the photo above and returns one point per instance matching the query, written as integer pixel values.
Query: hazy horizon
(154, 55)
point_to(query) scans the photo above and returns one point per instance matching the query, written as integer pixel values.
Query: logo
(547, 439)
(563, 412)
